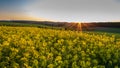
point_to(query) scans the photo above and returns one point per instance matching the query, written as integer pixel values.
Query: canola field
(31, 47)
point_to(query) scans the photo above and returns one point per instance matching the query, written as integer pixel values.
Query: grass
(97, 29)
(27, 25)
(110, 30)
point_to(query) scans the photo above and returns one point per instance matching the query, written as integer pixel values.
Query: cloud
(74, 10)
(69, 10)
(66, 5)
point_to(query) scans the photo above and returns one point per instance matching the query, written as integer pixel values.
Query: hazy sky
(61, 10)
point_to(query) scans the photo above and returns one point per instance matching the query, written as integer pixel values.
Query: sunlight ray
(79, 26)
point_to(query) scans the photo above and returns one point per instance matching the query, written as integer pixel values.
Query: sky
(61, 10)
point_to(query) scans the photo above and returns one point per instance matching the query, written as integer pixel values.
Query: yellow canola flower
(58, 58)
(6, 43)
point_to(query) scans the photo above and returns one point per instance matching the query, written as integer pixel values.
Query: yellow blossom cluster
(32, 47)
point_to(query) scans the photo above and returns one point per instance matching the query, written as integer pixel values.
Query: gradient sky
(61, 10)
